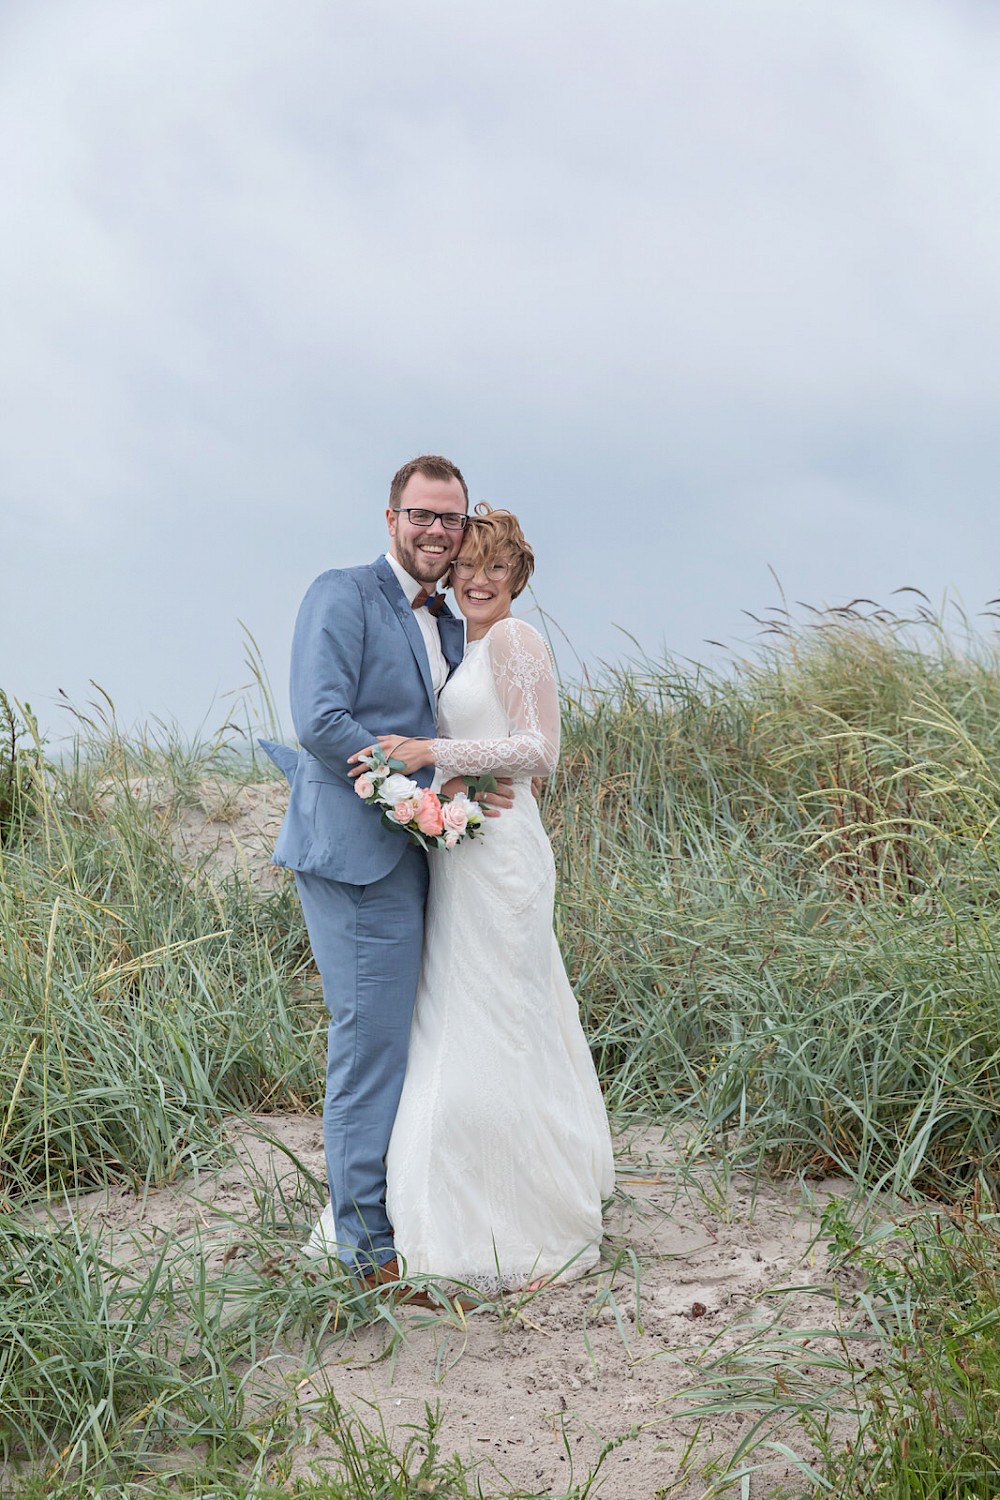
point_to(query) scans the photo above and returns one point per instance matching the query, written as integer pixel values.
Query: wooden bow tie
(433, 602)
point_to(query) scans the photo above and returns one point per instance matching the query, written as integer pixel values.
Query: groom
(368, 659)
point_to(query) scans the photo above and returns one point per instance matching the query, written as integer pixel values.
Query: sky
(706, 292)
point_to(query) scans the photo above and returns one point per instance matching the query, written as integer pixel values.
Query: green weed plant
(928, 1417)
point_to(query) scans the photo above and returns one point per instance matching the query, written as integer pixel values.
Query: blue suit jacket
(359, 669)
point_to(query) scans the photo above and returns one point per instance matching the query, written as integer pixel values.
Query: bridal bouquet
(433, 822)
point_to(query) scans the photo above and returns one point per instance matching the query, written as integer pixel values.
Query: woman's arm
(526, 686)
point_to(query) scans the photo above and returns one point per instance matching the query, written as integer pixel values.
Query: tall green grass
(778, 903)
(16, 764)
(779, 899)
(140, 1002)
(929, 1422)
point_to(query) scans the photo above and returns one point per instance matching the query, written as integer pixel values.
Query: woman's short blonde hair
(496, 536)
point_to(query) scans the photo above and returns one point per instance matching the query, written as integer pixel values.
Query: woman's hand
(415, 754)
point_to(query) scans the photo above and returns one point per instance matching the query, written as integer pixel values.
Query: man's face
(426, 552)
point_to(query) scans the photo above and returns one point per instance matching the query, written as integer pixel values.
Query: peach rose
(455, 815)
(365, 787)
(405, 810)
(429, 814)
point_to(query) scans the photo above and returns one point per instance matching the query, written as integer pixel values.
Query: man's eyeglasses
(495, 571)
(452, 520)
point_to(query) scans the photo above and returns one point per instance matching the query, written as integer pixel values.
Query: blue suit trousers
(367, 942)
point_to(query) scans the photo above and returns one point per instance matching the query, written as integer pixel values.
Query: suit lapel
(389, 584)
(452, 634)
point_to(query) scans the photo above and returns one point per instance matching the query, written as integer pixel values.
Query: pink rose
(405, 810)
(429, 815)
(455, 816)
(451, 839)
(365, 787)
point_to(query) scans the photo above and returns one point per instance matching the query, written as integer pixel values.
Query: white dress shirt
(426, 623)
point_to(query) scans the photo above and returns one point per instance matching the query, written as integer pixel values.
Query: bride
(501, 1153)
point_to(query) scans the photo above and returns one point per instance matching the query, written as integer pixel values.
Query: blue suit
(359, 669)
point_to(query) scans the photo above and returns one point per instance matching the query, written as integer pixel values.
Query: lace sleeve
(526, 686)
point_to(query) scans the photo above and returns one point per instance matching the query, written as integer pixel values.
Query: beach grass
(778, 905)
(778, 900)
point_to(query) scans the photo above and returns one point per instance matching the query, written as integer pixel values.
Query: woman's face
(482, 591)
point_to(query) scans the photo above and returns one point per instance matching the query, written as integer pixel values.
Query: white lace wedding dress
(501, 1153)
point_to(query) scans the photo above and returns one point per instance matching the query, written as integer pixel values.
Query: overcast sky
(698, 289)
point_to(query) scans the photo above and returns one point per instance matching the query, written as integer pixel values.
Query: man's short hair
(432, 466)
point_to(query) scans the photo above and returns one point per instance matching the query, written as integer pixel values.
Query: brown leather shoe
(411, 1296)
(438, 1300)
(388, 1275)
(382, 1275)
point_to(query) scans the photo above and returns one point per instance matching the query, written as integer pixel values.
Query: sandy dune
(698, 1263)
(534, 1390)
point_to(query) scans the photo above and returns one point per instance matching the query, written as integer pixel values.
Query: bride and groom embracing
(464, 1128)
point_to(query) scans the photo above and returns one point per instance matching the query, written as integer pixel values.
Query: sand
(699, 1263)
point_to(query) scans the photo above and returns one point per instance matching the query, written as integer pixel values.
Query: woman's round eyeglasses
(495, 571)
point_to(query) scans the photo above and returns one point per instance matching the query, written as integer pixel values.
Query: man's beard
(424, 569)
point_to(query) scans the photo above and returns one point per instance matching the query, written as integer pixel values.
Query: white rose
(395, 787)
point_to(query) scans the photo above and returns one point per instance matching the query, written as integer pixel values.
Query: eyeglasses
(495, 572)
(452, 520)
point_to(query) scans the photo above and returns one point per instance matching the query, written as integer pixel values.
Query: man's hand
(492, 803)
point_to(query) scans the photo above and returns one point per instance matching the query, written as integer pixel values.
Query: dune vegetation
(779, 906)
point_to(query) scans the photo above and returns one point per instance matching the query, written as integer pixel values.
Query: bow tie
(433, 602)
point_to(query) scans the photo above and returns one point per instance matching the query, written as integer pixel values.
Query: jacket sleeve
(327, 651)
(525, 681)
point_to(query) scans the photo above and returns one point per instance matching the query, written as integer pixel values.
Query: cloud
(659, 276)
